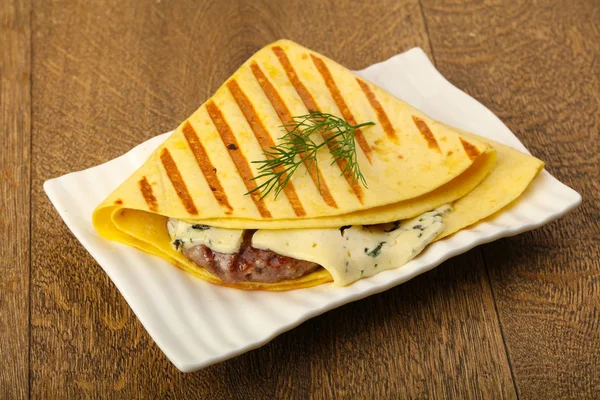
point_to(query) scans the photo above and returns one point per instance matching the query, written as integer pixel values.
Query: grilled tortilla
(203, 172)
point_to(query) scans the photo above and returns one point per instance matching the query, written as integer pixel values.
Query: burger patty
(249, 264)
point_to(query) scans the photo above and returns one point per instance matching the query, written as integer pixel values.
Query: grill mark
(381, 115)
(272, 94)
(470, 149)
(311, 105)
(304, 94)
(285, 117)
(352, 181)
(207, 168)
(426, 132)
(265, 141)
(177, 181)
(341, 104)
(237, 157)
(146, 189)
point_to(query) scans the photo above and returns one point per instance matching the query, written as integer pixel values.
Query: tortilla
(203, 172)
(511, 175)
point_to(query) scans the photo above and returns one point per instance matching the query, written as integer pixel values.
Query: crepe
(204, 171)
(511, 174)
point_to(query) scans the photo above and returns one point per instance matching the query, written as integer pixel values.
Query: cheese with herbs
(356, 252)
(186, 235)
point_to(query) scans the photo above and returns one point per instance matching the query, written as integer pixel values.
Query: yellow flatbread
(507, 180)
(203, 172)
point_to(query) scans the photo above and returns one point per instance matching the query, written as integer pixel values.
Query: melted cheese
(187, 235)
(358, 251)
(349, 253)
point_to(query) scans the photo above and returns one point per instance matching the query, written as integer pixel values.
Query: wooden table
(84, 81)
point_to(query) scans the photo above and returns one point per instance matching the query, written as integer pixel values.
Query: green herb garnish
(177, 243)
(200, 227)
(375, 251)
(298, 147)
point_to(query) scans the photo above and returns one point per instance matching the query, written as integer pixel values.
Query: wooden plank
(108, 77)
(436, 336)
(15, 139)
(536, 66)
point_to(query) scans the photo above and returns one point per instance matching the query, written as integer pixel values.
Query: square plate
(197, 324)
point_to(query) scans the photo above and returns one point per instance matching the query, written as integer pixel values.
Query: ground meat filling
(249, 264)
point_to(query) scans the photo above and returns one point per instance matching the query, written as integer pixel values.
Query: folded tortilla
(203, 172)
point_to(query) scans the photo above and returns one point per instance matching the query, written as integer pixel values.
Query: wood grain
(15, 136)
(107, 77)
(535, 64)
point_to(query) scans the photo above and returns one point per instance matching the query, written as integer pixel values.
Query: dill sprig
(297, 147)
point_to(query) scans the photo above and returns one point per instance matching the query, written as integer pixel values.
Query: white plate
(197, 324)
